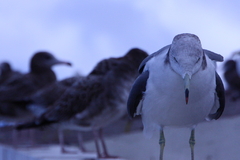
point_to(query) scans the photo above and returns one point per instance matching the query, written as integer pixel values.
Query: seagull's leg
(192, 143)
(162, 144)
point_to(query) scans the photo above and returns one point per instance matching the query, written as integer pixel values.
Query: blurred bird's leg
(14, 138)
(27, 137)
(32, 133)
(80, 142)
(61, 142)
(162, 144)
(192, 143)
(128, 126)
(98, 136)
(19, 138)
(105, 152)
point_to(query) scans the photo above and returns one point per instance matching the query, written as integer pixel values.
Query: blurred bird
(182, 69)
(46, 97)
(7, 73)
(95, 101)
(17, 88)
(232, 77)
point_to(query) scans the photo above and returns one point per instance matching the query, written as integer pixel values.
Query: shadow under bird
(96, 100)
(178, 87)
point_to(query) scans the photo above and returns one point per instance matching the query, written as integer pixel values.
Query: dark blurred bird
(178, 86)
(17, 88)
(232, 78)
(7, 73)
(47, 96)
(95, 101)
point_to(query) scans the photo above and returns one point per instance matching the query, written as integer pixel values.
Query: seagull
(95, 101)
(178, 86)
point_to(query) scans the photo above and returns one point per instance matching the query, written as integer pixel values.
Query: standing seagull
(182, 69)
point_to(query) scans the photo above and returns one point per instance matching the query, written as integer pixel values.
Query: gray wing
(213, 56)
(221, 98)
(136, 93)
(140, 69)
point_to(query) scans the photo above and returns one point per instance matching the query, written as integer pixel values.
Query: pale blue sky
(84, 31)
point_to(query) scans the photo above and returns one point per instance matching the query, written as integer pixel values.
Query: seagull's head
(186, 57)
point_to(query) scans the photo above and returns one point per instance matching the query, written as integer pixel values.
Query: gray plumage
(47, 96)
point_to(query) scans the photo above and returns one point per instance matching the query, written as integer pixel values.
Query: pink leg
(98, 136)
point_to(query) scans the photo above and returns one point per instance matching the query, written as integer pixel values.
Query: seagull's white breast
(164, 100)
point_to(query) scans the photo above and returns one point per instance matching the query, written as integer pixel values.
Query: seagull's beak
(186, 86)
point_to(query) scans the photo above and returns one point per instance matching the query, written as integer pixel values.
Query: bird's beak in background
(186, 86)
(63, 62)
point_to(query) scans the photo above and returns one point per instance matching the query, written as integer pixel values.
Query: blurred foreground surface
(215, 140)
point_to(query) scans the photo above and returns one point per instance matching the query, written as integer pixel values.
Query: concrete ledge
(7, 153)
